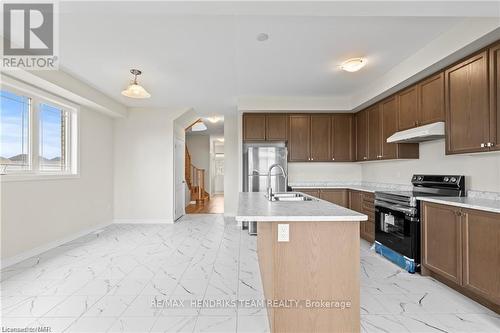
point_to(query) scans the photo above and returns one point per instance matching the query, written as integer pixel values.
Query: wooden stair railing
(195, 180)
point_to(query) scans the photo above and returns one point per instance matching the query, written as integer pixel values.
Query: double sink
(290, 196)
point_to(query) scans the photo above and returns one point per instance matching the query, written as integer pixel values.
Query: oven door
(397, 230)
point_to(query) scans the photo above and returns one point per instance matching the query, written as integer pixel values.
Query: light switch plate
(283, 232)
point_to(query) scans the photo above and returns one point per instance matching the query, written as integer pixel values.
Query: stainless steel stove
(397, 213)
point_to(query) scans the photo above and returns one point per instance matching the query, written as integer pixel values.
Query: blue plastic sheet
(399, 259)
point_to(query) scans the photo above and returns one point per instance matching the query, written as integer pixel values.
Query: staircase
(195, 180)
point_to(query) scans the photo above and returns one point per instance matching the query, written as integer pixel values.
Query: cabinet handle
(365, 158)
(312, 159)
(489, 144)
(483, 145)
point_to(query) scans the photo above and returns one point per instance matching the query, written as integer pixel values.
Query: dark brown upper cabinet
(389, 111)
(467, 105)
(299, 138)
(361, 119)
(254, 127)
(494, 55)
(343, 138)
(264, 127)
(321, 129)
(408, 108)
(431, 100)
(276, 127)
(374, 133)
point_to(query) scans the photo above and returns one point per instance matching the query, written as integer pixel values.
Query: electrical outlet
(283, 232)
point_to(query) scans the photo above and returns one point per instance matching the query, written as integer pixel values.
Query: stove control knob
(453, 180)
(420, 178)
(446, 179)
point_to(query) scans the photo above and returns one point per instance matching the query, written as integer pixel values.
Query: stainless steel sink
(291, 196)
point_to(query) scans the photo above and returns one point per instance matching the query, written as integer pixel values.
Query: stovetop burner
(432, 185)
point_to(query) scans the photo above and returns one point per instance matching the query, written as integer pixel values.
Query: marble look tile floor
(109, 280)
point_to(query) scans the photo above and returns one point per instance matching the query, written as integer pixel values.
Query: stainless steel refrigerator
(257, 158)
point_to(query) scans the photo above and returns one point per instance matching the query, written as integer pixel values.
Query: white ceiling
(206, 56)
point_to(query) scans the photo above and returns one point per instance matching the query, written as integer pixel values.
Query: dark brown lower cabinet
(363, 202)
(310, 191)
(481, 253)
(442, 237)
(461, 247)
(337, 196)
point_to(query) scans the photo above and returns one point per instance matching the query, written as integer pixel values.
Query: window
(38, 133)
(53, 138)
(14, 126)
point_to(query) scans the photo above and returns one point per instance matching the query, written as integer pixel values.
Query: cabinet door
(467, 105)
(299, 137)
(431, 99)
(254, 127)
(339, 197)
(356, 204)
(311, 192)
(342, 145)
(356, 201)
(361, 135)
(389, 111)
(482, 253)
(495, 97)
(374, 133)
(408, 108)
(320, 138)
(276, 127)
(442, 241)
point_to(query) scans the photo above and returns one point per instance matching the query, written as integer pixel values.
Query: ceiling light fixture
(134, 90)
(199, 126)
(220, 139)
(353, 65)
(214, 119)
(262, 37)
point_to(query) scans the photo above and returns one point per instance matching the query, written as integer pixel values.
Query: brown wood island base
(320, 262)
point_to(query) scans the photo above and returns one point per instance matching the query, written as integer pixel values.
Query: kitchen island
(309, 262)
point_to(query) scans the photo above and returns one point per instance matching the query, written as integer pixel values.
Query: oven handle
(397, 208)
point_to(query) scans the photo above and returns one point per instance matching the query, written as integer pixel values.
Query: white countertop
(254, 206)
(466, 202)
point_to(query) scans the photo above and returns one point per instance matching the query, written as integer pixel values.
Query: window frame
(72, 144)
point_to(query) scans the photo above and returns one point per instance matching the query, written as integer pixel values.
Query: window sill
(36, 177)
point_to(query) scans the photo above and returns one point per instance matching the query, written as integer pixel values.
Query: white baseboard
(143, 221)
(50, 245)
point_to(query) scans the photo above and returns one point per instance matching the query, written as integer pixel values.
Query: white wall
(36, 213)
(144, 165)
(199, 148)
(482, 170)
(298, 172)
(232, 162)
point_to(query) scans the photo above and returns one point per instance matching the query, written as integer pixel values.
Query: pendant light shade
(135, 90)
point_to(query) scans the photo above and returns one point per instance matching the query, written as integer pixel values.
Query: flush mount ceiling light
(220, 139)
(262, 37)
(134, 90)
(199, 126)
(353, 65)
(214, 119)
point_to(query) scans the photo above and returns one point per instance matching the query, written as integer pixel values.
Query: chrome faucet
(269, 187)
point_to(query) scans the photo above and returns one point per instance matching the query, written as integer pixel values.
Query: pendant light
(135, 90)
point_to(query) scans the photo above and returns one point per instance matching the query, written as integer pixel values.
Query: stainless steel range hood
(419, 134)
